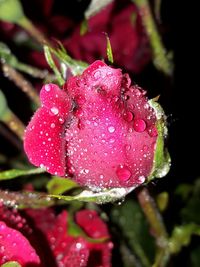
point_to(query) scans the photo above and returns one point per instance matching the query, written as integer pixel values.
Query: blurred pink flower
(40, 238)
(128, 39)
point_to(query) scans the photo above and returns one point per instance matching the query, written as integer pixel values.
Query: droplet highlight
(123, 173)
(139, 125)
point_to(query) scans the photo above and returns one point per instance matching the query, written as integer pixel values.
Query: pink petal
(43, 141)
(15, 247)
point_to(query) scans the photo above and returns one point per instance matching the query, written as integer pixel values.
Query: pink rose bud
(100, 130)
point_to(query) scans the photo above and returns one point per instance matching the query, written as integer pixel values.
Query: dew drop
(61, 120)
(111, 140)
(54, 110)
(53, 125)
(47, 87)
(139, 125)
(111, 129)
(97, 75)
(128, 116)
(141, 179)
(78, 245)
(123, 173)
(152, 131)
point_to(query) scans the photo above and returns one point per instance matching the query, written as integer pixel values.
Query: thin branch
(160, 57)
(155, 220)
(21, 82)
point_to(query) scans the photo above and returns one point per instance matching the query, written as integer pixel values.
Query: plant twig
(21, 82)
(157, 226)
(160, 57)
(14, 123)
(33, 31)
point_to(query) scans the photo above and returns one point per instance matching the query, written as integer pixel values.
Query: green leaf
(11, 264)
(162, 160)
(109, 50)
(52, 64)
(58, 185)
(11, 11)
(133, 226)
(181, 236)
(14, 173)
(3, 105)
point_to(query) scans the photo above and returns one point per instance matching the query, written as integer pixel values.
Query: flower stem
(33, 31)
(12, 121)
(160, 57)
(21, 82)
(155, 220)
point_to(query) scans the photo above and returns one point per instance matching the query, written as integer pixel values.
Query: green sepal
(162, 160)
(109, 50)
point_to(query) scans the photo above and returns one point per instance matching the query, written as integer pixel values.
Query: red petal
(44, 143)
(15, 247)
(92, 224)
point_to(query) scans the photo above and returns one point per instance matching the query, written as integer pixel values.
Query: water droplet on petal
(53, 125)
(128, 116)
(152, 131)
(145, 148)
(97, 75)
(54, 110)
(123, 173)
(111, 129)
(141, 179)
(139, 125)
(61, 120)
(47, 87)
(111, 140)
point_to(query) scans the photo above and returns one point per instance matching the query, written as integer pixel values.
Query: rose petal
(15, 247)
(44, 143)
(92, 224)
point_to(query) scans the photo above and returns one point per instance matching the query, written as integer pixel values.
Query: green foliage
(75, 66)
(133, 226)
(14, 173)
(3, 105)
(58, 185)
(181, 236)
